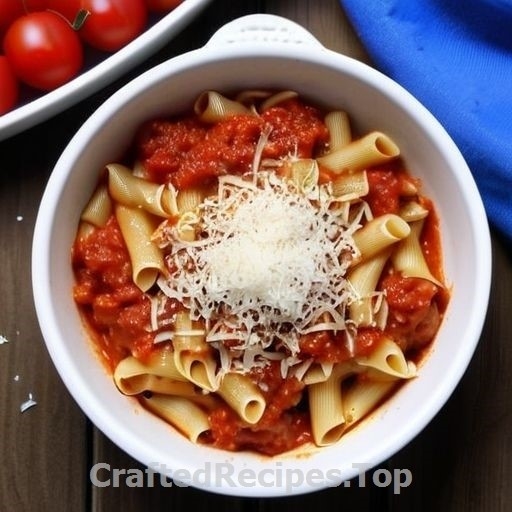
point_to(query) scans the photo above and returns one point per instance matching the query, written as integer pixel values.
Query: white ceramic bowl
(102, 73)
(264, 51)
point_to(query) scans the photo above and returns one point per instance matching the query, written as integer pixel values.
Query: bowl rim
(104, 72)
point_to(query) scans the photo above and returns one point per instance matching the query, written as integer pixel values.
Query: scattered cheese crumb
(19, 218)
(16, 378)
(28, 403)
(3, 339)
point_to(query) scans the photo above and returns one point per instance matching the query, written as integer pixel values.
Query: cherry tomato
(113, 23)
(8, 86)
(68, 8)
(43, 49)
(9, 11)
(33, 5)
(12, 9)
(162, 5)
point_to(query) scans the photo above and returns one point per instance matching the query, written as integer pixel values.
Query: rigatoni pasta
(340, 132)
(132, 191)
(326, 406)
(212, 107)
(98, 209)
(184, 414)
(372, 149)
(246, 399)
(146, 258)
(259, 275)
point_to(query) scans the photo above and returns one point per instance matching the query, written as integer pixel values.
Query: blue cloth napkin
(455, 56)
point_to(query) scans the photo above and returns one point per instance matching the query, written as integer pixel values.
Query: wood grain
(44, 450)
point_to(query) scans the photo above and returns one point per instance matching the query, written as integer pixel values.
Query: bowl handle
(262, 28)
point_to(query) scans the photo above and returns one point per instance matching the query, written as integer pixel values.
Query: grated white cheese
(3, 339)
(28, 403)
(268, 266)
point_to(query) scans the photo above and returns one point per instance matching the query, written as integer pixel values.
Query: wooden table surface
(461, 462)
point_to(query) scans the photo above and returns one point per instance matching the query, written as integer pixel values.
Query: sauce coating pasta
(293, 285)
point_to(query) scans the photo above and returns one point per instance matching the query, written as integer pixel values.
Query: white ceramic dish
(106, 71)
(264, 51)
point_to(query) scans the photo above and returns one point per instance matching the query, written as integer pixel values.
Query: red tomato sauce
(414, 314)
(387, 183)
(188, 152)
(327, 347)
(115, 308)
(415, 305)
(282, 427)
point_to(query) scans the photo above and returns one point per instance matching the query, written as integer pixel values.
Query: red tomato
(12, 9)
(9, 11)
(162, 5)
(33, 5)
(8, 86)
(113, 23)
(68, 8)
(43, 49)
